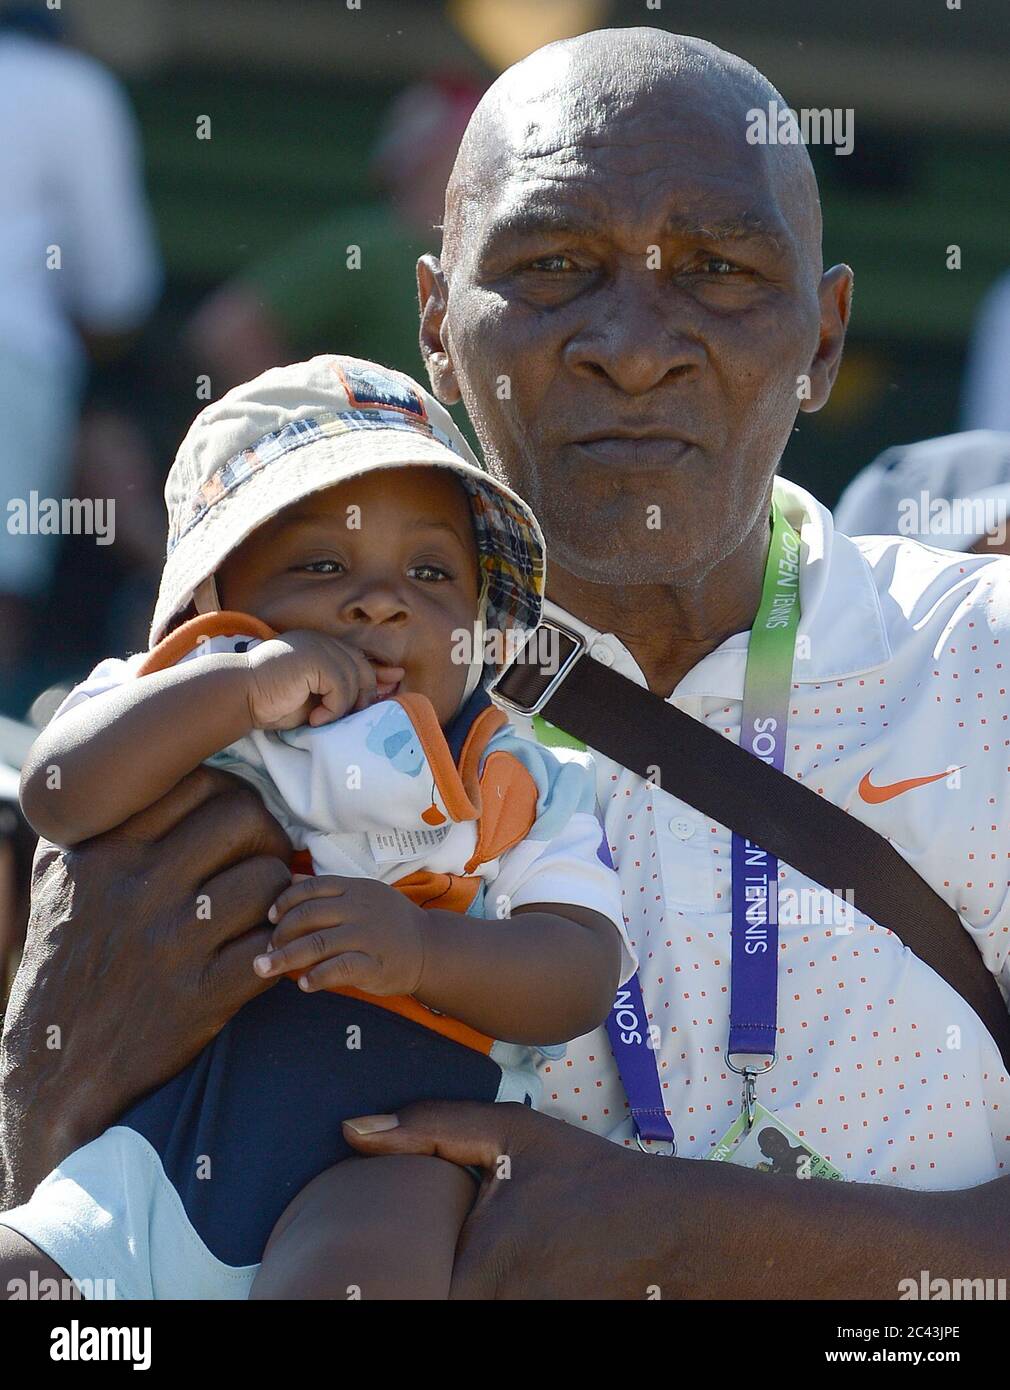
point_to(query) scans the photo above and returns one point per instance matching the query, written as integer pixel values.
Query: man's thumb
(464, 1132)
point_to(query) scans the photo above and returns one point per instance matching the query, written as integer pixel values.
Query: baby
(336, 560)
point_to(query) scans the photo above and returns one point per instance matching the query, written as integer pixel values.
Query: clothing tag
(771, 1147)
(387, 845)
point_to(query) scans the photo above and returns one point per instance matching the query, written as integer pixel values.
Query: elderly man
(632, 306)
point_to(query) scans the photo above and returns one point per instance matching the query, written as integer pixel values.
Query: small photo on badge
(777, 1153)
(769, 1150)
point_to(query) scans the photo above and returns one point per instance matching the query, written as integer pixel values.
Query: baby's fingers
(304, 888)
(352, 968)
(305, 920)
(301, 952)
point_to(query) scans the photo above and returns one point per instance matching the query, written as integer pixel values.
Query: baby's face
(386, 563)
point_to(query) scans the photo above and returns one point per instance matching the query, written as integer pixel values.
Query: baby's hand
(306, 677)
(346, 931)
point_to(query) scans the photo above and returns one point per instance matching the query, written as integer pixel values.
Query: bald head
(574, 93)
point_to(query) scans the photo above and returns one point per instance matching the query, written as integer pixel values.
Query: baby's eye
(428, 573)
(322, 567)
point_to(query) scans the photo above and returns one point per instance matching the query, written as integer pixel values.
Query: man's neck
(669, 628)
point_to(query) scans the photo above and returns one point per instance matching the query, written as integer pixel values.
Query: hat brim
(510, 541)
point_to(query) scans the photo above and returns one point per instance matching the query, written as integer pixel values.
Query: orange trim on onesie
(175, 646)
(421, 713)
(407, 1007)
(509, 799)
(481, 732)
(425, 888)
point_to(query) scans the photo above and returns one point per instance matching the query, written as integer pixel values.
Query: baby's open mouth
(388, 678)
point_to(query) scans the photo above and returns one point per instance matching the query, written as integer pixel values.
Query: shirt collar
(841, 631)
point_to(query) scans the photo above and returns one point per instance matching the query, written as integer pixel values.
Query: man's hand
(139, 949)
(304, 677)
(563, 1214)
(550, 1218)
(333, 932)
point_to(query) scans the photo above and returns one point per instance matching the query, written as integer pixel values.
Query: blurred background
(213, 161)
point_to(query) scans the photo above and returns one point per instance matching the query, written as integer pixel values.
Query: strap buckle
(750, 1074)
(527, 682)
(653, 1146)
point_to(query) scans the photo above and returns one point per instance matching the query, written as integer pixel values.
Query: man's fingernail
(372, 1124)
(272, 914)
(262, 965)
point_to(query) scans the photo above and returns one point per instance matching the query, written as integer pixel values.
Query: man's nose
(640, 330)
(375, 603)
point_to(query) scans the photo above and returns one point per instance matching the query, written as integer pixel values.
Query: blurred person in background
(952, 492)
(79, 273)
(986, 393)
(305, 298)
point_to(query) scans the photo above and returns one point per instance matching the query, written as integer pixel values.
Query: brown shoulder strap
(639, 730)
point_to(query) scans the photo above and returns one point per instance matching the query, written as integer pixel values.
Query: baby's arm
(114, 755)
(546, 974)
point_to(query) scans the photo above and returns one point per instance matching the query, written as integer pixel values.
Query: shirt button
(682, 827)
(602, 654)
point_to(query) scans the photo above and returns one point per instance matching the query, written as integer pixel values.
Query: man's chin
(613, 567)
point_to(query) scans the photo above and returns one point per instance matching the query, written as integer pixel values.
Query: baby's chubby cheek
(443, 685)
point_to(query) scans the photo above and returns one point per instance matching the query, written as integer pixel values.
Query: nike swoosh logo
(875, 795)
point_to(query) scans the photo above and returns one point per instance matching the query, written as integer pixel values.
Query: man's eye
(718, 265)
(555, 263)
(428, 573)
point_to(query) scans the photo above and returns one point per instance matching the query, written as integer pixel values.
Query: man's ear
(432, 298)
(835, 295)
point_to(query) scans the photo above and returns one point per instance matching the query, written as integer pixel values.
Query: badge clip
(750, 1074)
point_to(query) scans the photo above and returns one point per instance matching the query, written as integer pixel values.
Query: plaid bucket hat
(296, 430)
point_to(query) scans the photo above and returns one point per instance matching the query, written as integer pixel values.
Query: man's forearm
(738, 1234)
(29, 1151)
(40, 1124)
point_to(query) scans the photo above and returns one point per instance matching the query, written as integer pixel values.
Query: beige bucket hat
(296, 430)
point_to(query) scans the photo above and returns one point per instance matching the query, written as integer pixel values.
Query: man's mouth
(633, 449)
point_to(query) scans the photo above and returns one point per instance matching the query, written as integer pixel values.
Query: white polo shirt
(902, 672)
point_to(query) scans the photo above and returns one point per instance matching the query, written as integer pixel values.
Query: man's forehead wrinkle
(689, 218)
(719, 199)
(624, 92)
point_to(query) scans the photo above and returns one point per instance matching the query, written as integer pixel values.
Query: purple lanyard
(628, 1030)
(754, 957)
